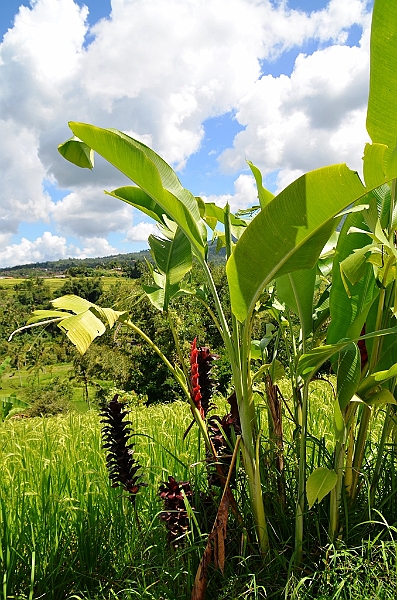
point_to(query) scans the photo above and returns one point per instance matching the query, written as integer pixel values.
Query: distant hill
(58, 267)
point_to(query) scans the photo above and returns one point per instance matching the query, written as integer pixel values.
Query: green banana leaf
(149, 171)
(289, 233)
(382, 102)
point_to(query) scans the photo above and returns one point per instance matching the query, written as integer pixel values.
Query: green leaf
(383, 396)
(77, 153)
(296, 290)
(349, 311)
(310, 362)
(151, 173)
(382, 102)
(349, 373)
(319, 484)
(339, 424)
(374, 167)
(139, 199)
(264, 195)
(82, 329)
(289, 233)
(173, 258)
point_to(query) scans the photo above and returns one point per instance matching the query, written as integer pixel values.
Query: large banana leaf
(84, 325)
(289, 233)
(150, 172)
(297, 290)
(139, 199)
(173, 258)
(348, 309)
(382, 102)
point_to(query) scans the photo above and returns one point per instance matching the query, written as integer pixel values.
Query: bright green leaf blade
(296, 290)
(348, 375)
(82, 329)
(78, 153)
(319, 484)
(382, 102)
(173, 257)
(140, 200)
(264, 195)
(151, 173)
(289, 233)
(374, 164)
(384, 396)
(349, 312)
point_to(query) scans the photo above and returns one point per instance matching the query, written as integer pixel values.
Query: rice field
(67, 534)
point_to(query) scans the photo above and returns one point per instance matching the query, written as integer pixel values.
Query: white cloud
(45, 247)
(245, 195)
(141, 232)
(159, 70)
(313, 118)
(52, 247)
(88, 212)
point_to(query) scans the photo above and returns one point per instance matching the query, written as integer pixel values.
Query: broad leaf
(139, 199)
(82, 329)
(319, 484)
(296, 290)
(151, 173)
(77, 153)
(348, 309)
(349, 373)
(289, 233)
(382, 102)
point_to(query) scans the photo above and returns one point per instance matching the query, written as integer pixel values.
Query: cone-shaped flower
(120, 461)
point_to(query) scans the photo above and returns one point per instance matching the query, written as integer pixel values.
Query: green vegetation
(81, 539)
(288, 479)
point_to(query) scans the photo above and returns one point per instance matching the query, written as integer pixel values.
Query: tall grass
(65, 533)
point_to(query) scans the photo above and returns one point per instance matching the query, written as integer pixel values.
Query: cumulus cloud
(52, 247)
(45, 247)
(313, 118)
(245, 195)
(141, 232)
(158, 70)
(89, 212)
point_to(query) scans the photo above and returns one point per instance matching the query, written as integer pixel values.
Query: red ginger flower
(202, 386)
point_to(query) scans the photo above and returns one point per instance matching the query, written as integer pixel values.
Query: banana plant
(282, 243)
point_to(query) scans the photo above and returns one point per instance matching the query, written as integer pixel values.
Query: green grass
(55, 283)
(65, 533)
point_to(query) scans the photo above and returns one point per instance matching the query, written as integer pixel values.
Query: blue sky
(206, 84)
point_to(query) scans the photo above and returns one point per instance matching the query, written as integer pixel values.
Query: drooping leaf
(263, 194)
(77, 153)
(82, 329)
(289, 233)
(319, 484)
(151, 173)
(139, 199)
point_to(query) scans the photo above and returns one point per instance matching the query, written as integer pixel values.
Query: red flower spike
(202, 386)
